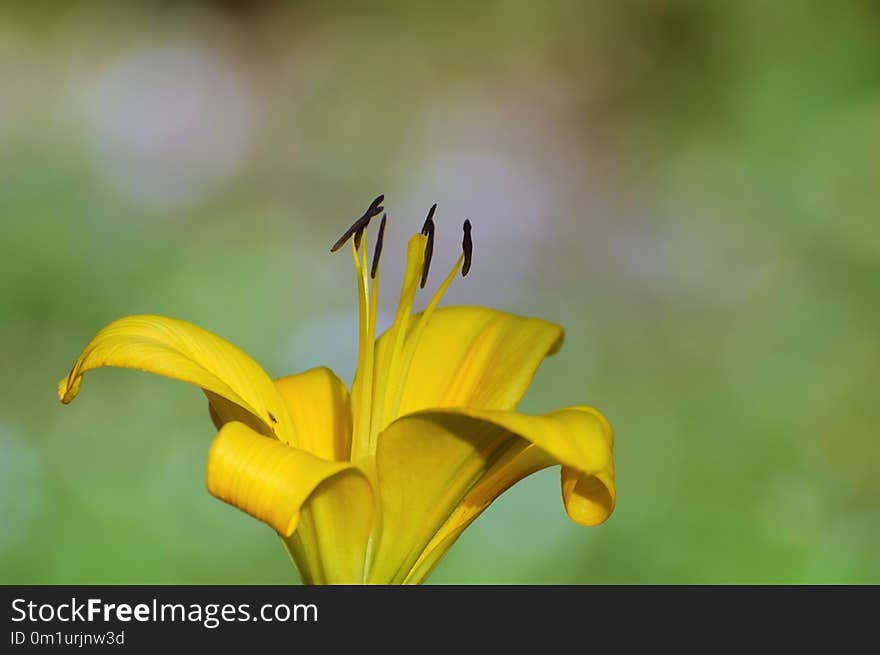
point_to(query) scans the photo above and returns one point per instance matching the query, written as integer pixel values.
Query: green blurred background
(690, 188)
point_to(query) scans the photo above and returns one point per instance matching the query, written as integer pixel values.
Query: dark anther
(467, 245)
(357, 229)
(272, 416)
(428, 231)
(377, 253)
(429, 221)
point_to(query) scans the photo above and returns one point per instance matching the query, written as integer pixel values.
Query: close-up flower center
(377, 391)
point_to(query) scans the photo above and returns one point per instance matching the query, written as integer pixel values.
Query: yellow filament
(362, 385)
(413, 342)
(387, 379)
(376, 394)
(367, 412)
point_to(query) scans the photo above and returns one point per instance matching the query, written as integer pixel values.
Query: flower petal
(320, 408)
(474, 357)
(238, 387)
(438, 469)
(287, 487)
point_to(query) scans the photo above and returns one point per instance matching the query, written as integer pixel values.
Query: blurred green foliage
(688, 187)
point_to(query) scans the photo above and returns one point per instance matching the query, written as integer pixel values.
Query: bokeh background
(689, 187)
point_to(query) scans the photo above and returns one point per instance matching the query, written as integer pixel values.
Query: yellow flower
(375, 486)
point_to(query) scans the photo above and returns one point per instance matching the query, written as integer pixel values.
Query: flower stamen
(428, 231)
(429, 220)
(377, 394)
(362, 384)
(388, 375)
(463, 262)
(377, 252)
(467, 247)
(358, 227)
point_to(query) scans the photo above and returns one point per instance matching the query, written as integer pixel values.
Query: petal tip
(290, 528)
(556, 345)
(68, 389)
(589, 499)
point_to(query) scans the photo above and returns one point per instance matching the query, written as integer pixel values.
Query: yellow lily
(375, 486)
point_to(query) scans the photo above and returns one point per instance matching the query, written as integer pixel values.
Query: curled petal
(438, 469)
(280, 484)
(238, 387)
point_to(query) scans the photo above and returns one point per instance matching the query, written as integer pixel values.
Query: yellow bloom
(375, 486)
